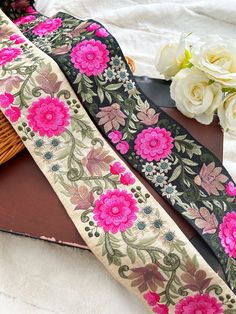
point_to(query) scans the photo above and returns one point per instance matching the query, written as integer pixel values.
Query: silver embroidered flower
(116, 62)
(159, 179)
(149, 169)
(109, 74)
(130, 88)
(164, 165)
(122, 75)
(169, 190)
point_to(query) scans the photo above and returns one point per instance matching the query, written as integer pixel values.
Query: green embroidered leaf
(131, 254)
(100, 94)
(189, 162)
(114, 86)
(108, 96)
(141, 256)
(78, 78)
(176, 173)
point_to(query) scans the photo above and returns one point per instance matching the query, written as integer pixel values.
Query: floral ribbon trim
(178, 167)
(121, 222)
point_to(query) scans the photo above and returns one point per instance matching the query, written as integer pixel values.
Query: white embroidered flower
(195, 96)
(149, 169)
(169, 190)
(109, 74)
(164, 165)
(227, 112)
(116, 62)
(170, 58)
(159, 179)
(122, 75)
(217, 58)
(130, 87)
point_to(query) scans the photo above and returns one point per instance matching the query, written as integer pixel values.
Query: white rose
(170, 58)
(227, 112)
(217, 58)
(194, 96)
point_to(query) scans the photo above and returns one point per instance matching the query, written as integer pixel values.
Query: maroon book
(40, 214)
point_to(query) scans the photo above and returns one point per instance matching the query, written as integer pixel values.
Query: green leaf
(176, 173)
(108, 96)
(189, 162)
(78, 78)
(100, 94)
(114, 86)
(131, 254)
(141, 256)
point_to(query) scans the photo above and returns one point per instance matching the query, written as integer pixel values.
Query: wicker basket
(10, 143)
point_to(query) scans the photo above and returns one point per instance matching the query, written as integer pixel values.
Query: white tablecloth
(41, 278)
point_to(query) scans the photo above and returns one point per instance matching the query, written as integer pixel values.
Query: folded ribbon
(177, 166)
(122, 224)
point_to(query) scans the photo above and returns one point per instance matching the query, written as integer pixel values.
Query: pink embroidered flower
(24, 19)
(115, 210)
(47, 26)
(48, 116)
(211, 179)
(152, 298)
(115, 136)
(153, 144)
(9, 54)
(117, 168)
(101, 32)
(231, 189)
(17, 39)
(30, 10)
(199, 303)
(13, 113)
(160, 309)
(127, 178)
(93, 27)
(90, 57)
(111, 117)
(228, 234)
(6, 99)
(122, 147)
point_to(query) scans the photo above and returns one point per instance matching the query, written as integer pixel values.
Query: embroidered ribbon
(123, 225)
(178, 167)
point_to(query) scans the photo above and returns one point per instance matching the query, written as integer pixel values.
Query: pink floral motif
(47, 26)
(210, 179)
(152, 298)
(231, 189)
(122, 147)
(146, 115)
(199, 303)
(90, 57)
(160, 309)
(127, 178)
(13, 113)
(115, 210)
(117, 168)
(204, 219)
(6, 99)
(30, 10)
(48, 116)
(81, 197)
(228, 234)
(11, 82)
(111, 117)
(101, 32)
(153, 144)
(93, 27)
(24, 19)
(115, 136)
(8, 54)
(17, 39)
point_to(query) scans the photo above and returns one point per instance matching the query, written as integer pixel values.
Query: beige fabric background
(40, 278)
